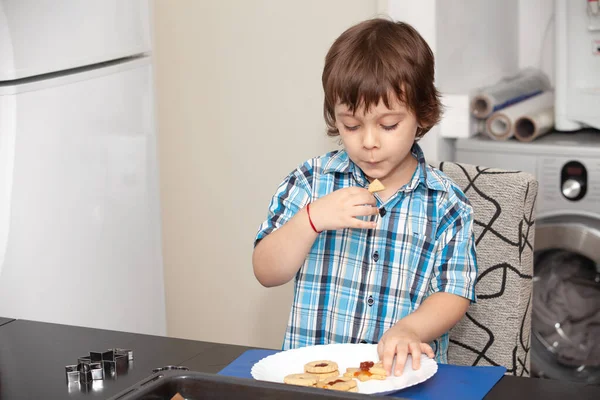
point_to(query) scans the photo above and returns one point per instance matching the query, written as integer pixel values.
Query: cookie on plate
(327, 375)
(303, 379)
(342, 384)
(320, 367)
(368, 370)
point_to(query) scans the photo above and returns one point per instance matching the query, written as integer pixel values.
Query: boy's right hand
(339, 209)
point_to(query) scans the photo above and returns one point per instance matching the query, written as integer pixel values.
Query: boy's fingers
(358, 224)
(360, 201)
(356, 190)
(365, 210)
(415, 351)
(425, 348)
(401, 356)
(388, 357)
(366, 197)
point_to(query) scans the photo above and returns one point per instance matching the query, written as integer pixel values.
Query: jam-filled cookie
(368, 370)
(320, 367)
(301, 379)
(342, 384)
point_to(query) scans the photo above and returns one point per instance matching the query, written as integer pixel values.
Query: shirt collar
(340, 163)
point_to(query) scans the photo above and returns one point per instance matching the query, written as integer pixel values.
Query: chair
(497, 328)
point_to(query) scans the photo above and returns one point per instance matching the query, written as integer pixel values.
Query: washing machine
(565, 340)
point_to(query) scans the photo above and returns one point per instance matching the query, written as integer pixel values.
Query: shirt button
(382, 211)
(376, 256)
(370, 301)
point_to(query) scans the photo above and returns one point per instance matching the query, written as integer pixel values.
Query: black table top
(33, 356)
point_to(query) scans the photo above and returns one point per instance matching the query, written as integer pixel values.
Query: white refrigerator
(80, 239)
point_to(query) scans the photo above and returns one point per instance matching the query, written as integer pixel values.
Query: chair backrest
(496, 330)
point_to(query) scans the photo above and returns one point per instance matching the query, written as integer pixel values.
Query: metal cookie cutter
(72, 374)
(98, 365)
(95, 365)
(127, 352)
(115, 362)
(85, 373)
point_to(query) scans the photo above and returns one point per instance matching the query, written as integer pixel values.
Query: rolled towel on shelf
(501, 124)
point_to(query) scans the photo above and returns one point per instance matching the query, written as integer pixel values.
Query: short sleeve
(291, 195)
(455, 269)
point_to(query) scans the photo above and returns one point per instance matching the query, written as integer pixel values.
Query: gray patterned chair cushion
(496, 329)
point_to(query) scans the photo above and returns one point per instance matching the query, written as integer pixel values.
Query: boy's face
(379, 141)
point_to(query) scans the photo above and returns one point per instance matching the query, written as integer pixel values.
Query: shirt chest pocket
(418, 258)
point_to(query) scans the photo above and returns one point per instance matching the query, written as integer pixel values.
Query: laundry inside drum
(566, 317)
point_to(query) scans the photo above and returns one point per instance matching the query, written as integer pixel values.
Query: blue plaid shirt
(357, 283)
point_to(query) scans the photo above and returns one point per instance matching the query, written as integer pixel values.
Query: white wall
(536, 35)
(239, 107)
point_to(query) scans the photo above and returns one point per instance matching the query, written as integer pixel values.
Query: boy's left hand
(401, 341)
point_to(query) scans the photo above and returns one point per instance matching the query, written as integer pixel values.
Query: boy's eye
(351, 128)
(390, 127)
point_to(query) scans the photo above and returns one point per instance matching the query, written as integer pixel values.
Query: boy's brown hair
(374, 59)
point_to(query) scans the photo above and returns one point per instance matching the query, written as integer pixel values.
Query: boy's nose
(370, 138)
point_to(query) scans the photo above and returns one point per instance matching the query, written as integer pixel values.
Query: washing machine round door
(566, 299)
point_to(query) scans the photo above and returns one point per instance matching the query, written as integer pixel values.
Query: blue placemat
(449, 382)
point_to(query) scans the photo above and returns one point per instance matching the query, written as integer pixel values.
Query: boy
(396, 267)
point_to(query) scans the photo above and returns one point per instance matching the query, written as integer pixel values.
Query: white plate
(275, 367)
